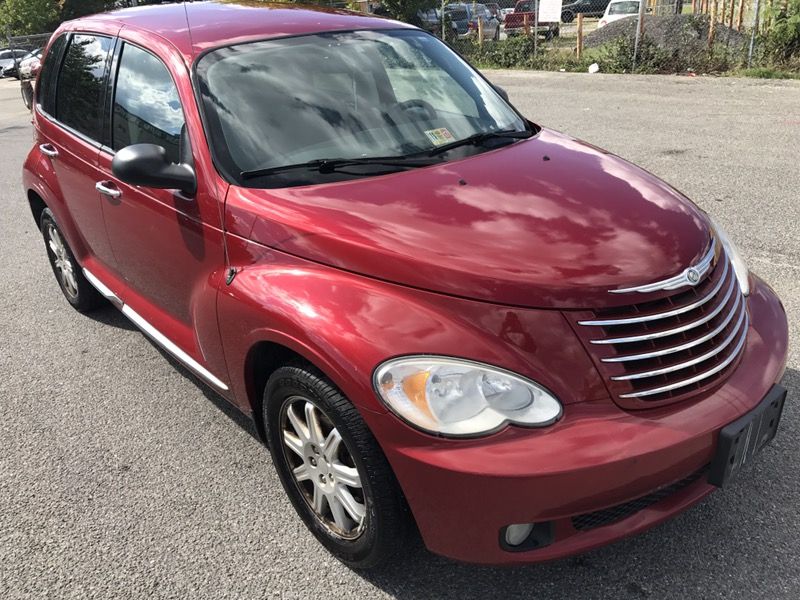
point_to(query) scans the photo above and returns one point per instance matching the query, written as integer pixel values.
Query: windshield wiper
(484, 136)
(330, 165)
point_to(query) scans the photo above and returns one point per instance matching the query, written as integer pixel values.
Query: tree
(782, 38)
(72, 9)
(26, 17)
(406, 10)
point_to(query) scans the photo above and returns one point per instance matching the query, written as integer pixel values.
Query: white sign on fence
(549, 11)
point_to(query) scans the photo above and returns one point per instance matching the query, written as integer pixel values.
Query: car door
(71, 129)
(168, 246)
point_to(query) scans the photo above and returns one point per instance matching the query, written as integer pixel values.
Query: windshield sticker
(439, 136)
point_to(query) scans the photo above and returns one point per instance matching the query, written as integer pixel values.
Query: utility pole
(753, 34)
(639, 31)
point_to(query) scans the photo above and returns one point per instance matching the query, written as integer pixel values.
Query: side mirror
(502, 92)
(147, 165)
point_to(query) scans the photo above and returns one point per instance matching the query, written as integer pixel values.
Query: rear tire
(27, 94)
(75, 287)
(333, 470)
(567, 17)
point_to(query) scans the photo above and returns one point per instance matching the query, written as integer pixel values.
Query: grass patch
(766, 73)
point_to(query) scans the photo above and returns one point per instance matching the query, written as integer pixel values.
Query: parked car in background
(430, 20)
(619, 9)
(442, 318)
(465, 19)
(495, 10)
(526, 10)
(9, 59)
(588, 8)
(28, 63)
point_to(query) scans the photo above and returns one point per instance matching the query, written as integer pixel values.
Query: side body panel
(169, 247)
(347, 324)
(73, 199)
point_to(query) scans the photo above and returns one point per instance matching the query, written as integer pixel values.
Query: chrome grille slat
(662, 315)
(681, 347)
(702, 266)
(668, 332)
(669, 347)
(690, 363)
(705, 375)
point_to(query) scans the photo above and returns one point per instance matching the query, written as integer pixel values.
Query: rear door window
(81, 87)
(147, 109)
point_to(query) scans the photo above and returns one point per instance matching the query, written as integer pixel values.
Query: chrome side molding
(100, 287)
(154, 334)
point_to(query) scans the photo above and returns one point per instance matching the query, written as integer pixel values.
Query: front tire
(332, 468)
(567, 16)
(77, 290)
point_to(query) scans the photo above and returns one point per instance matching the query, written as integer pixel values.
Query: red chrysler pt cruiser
(441, 316)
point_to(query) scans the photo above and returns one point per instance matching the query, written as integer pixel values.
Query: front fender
(347, 324)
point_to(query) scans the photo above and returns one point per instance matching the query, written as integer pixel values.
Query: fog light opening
(517, 534)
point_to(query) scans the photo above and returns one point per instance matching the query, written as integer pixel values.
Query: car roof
(194, 27)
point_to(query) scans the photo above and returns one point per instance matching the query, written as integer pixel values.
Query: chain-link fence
(668, 36)
(24, 52)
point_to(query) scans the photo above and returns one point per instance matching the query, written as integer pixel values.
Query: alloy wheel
(62, 261)
(323, 468)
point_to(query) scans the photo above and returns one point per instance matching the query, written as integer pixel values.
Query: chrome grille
(666, 349)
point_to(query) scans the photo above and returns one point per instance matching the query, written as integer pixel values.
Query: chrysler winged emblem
(690, 276)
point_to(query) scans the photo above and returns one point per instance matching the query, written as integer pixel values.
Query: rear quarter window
(49, 72)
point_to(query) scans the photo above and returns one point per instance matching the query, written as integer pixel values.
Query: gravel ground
(676, 33)
(122, 477)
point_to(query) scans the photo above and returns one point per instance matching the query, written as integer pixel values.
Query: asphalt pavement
(121, 476)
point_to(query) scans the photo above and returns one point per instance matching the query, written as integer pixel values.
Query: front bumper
(463, 493)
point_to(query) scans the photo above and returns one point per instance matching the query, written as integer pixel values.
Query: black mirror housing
(502, 92)
(147, 165)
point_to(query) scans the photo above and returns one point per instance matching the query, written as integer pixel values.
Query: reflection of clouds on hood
(146, 90)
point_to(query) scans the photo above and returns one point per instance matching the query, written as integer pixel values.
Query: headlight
(739, 266)
(456, 397)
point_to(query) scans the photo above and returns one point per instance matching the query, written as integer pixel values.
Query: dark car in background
(588, 8)
(495, 10)
(430, 20)
(465, 19)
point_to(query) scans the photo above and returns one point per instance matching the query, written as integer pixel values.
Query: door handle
(48, 150)
(105, 188)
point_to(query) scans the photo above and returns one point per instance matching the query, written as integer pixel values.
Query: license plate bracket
(741, 440)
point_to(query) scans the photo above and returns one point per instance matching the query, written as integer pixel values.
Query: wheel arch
(273, 351)
(263, 359)
(37, 205)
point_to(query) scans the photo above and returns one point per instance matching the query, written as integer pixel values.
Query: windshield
(629, 7)
(359, 94)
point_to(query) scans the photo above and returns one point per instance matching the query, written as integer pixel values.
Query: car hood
(546, 222)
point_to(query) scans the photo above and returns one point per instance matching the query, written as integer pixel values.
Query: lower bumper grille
(607, 516)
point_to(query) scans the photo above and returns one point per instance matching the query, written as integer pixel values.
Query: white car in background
(619, 9)
(29, 61)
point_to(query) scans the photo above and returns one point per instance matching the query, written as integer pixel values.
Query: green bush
(616, 56)
(519, 52)
(781, 43)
